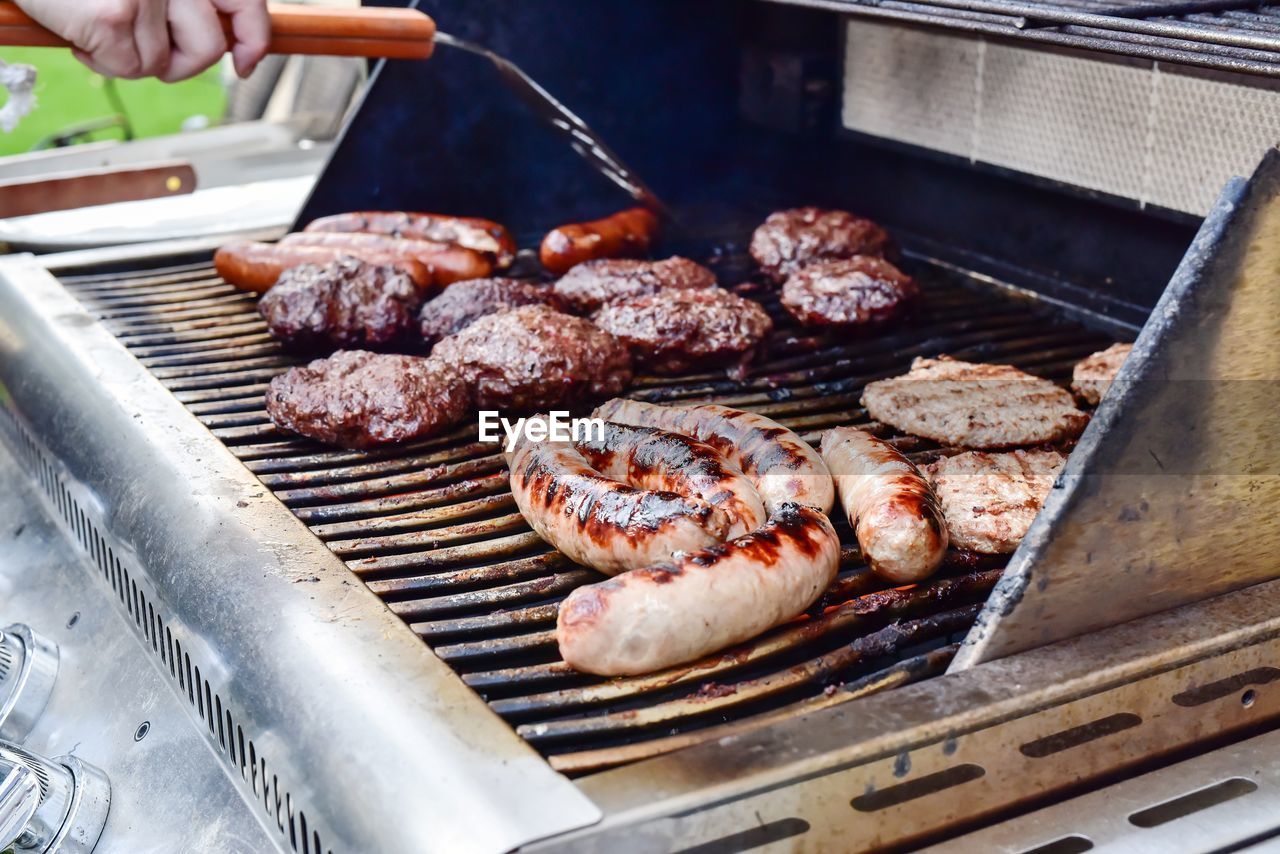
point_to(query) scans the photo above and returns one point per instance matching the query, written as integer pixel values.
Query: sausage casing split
(648, 458)
(445, 262)
(890, 505)
(674, 612)
(603, 523)
(625, 234)
(481, 235)
(255, 266)
(782, 466)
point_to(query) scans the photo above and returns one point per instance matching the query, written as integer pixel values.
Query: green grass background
(68, 94)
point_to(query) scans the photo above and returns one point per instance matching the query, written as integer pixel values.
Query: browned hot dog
(626, 234)
(602, 523)
(255, 266)
(445, 262)
(890, 505)
(700, 602)
(481, 235)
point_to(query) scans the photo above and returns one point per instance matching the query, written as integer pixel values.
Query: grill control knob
(62, 814)
(28, 666)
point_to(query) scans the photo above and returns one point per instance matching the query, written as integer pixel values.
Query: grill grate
(1228, 35)
(432, 529)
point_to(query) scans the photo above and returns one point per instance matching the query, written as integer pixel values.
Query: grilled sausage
(781, 465)
(625, 234)
(698, 603)
(481, 235)
(647, 458)
(445, 262)
(256, 266)
(603, 523)
(890, 505)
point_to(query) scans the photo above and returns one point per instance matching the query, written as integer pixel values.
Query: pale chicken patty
(534, 357)
(974, 405)
(1093, 376)
(674, 331)
(990, 500)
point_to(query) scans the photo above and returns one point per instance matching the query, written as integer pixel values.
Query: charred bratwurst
(648, 458)
(600, 522)
(782, 466)
(700, 602)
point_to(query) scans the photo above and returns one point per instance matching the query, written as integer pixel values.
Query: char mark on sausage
(600, 522)
(698, 603)
(648, 458)
(783, 467)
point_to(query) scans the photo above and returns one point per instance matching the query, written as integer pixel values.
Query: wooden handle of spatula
(312, 30)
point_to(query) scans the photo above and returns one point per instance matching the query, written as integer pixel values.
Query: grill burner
(431, 527)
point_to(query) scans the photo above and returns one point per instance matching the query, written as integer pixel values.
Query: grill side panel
(270, 621)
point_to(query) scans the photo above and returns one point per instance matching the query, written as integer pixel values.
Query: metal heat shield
(1170, 496)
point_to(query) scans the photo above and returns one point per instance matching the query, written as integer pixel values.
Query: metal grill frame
(1227, 35)
(705, 793)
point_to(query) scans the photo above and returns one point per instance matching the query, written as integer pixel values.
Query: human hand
(168, 39)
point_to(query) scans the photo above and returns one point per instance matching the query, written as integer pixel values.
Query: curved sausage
(781, 465)
(647, 458)
(891, 507)
(445, 262)
(667, 614)
(253, 266)
(602, 523)
(481, 235)
(625, 234)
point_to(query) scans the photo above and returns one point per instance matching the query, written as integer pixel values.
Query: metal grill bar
(1222, 34)
(431, 527)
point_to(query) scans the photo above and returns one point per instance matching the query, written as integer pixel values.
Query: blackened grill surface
(431, 527)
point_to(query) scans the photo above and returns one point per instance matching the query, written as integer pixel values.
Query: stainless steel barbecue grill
(365, 639)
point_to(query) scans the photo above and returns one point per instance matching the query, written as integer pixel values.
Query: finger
(251, 27)
(196, 39)
(109, 41)
(151, 34)
(87, 61)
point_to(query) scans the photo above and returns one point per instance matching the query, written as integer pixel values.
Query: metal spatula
(394, 34)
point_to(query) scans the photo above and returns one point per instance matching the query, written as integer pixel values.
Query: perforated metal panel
(1157, 134)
